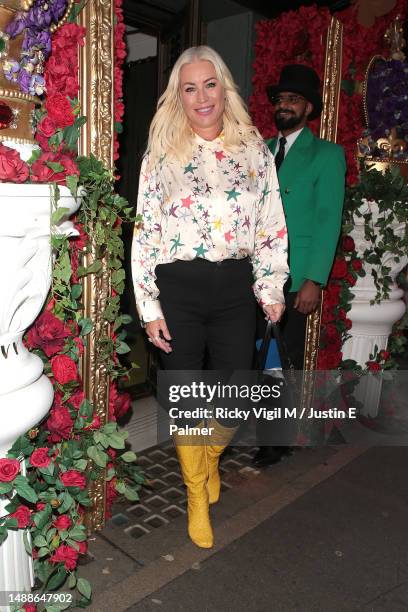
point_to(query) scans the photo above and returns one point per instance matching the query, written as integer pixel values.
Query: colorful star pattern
(218, 205)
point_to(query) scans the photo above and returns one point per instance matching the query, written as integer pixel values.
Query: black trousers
(210, 311)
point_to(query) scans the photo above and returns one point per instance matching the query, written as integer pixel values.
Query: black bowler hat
(302, 80)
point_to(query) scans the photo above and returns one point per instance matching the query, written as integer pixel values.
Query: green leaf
(98, 456)
(94, 268)
(55, 166)
(41, 518)
(86, 326)
(116, 440)
(71, 135)
(72, 581)
(27, 544)
(24, 490)
(122, 348)
(76, 9)
(58, 214)
(109, 427)
(40, 541)
(56, 579)
(76, 291)
(72, 184)
(128, 457)
(5, 487)
(131, 494)
(84, 588)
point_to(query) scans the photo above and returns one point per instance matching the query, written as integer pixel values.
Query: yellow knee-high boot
(216, 443)
(191, 452)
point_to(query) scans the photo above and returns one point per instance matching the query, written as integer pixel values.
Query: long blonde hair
(170, 133)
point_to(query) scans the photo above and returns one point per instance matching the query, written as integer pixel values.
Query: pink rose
(73, 478)
(23, 516)
(64, 369)
(67, 555)
(40, 458)
(9, 468)
(63, 522)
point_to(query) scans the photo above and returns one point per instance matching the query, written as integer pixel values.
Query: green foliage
(389, 192)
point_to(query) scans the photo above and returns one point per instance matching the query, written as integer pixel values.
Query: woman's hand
(274, 312)
(159, 335)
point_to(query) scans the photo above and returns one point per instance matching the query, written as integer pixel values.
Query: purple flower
(37, 85)
(38, 17)
(58, 8)
(40, 39)
(15, 27)
(11, 69)
(23, 79)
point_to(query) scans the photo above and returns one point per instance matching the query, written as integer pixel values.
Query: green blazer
(311, 179)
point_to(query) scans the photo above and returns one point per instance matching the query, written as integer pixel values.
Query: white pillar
(26, 394)
(372, 324)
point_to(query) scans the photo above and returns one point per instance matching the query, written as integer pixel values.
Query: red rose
(331, 332)
(59, 110)
(333, 359)
(30, 607)
(76, 399)
(119, 403)
(12, 168)
(9, 468)
(46, 127)
(356, 264)
(348, 323)
(23, 516)
(79, 345)
(67, 555)
(348, 243)
(373, 366)
(40, 458)
(73, 478)
(48, 333)
(40, 506)
(83, 547)
(63, 522)
(342, 314)
(384, 355)
(339, 269)
(42, 173)
(95, 424)
(350, 280)
(64, 369)
(59, 424)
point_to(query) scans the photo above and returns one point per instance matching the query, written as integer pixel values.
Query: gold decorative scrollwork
(96, 99)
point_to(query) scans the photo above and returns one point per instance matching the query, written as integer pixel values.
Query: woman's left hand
(274, 312)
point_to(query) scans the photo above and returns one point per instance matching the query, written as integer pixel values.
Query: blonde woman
(213, 238)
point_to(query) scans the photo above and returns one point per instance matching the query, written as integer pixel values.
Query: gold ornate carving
(96, 99)
(328, 131)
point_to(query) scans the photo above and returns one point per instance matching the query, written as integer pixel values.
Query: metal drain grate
(165, 498)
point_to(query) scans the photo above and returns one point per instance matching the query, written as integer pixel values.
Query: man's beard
(287, 122)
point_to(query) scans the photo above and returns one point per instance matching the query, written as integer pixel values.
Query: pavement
(324, 530)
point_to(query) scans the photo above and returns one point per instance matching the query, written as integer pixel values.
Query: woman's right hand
(159, 335)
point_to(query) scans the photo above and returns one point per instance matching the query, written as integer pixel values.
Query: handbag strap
(263, 350)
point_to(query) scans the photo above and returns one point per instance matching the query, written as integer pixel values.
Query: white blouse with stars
(219, 205)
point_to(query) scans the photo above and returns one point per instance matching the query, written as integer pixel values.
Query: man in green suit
(311, 176)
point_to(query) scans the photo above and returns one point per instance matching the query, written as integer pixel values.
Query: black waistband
(223, 263)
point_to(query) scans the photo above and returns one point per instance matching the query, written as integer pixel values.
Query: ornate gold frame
(328, 131)
(96, 100)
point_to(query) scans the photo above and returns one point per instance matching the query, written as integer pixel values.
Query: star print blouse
(219, 205)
